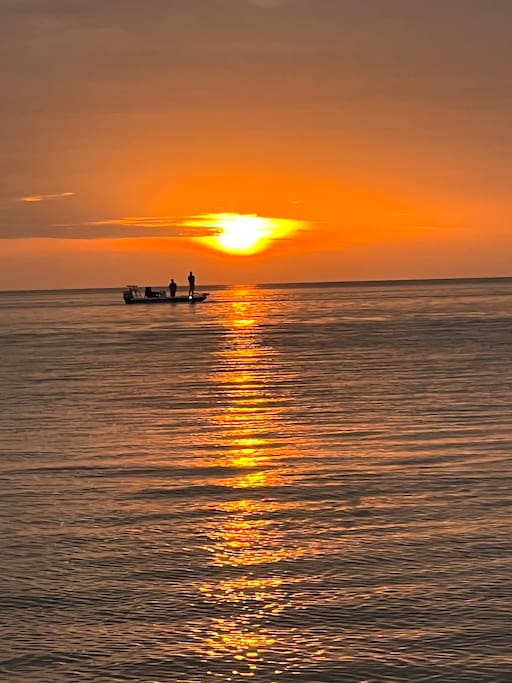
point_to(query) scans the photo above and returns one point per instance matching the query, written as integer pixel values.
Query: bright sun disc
(243, 233)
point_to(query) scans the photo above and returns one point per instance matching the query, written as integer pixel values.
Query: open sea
(294, 483)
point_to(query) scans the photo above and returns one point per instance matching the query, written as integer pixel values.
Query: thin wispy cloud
(169, 226)
(143, 221)
(35, 198)
(126, 227)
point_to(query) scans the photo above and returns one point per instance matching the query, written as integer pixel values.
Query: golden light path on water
(249, 545)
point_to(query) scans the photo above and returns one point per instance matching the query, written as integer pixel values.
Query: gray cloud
(115, 228)
(35, 198)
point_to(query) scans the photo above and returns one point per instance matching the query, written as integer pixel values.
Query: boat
(133, 295)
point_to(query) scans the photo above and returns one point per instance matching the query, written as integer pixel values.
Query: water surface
(288, 483)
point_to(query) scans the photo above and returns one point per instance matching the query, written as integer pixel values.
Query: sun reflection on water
(247, 537)
(246, 542)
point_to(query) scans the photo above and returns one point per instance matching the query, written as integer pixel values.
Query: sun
(243, 234)
(236, 233)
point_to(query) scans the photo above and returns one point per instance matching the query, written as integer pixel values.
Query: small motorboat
(133, 295)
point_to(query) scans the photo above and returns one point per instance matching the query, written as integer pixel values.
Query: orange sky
(383, 127)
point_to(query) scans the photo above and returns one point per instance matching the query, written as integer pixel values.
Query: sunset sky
(370, 139)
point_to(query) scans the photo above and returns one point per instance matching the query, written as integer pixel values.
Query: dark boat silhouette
(133, 295)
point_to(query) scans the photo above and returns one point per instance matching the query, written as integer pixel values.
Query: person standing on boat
(191, 283)
(172, 288)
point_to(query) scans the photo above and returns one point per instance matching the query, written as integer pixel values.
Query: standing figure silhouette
(191, 283)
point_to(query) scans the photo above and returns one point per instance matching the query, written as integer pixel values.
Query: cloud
(112, 228)
(163, 226)
(14, 226)
(126, 227)
(34, 198)
(142, 221)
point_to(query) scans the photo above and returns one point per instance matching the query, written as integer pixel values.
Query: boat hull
(197, 298)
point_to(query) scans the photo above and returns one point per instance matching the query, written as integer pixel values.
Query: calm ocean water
(303, 484)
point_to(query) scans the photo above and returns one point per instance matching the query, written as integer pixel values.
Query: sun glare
(243, 233)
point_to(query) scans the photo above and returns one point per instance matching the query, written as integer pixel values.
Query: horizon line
(277, 285)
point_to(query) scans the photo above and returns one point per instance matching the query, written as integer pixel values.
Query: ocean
(305, 483)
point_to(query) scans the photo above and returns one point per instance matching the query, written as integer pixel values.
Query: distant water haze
(284, 483)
